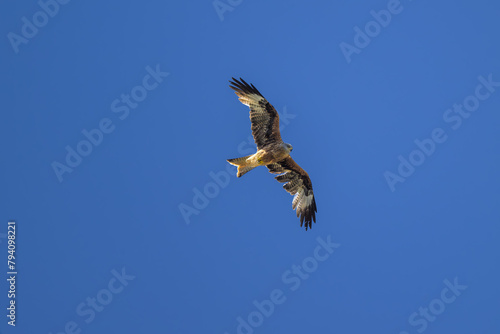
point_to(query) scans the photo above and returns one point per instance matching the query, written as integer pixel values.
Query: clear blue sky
(117, 121)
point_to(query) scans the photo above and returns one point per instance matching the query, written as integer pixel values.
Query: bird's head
(289, 148)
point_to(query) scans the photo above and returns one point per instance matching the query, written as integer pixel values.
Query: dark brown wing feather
(265, 120)
(297, 183)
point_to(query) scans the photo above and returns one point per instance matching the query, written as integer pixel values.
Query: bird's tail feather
(241, 163)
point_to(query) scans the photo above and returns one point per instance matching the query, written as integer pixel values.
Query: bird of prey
(273, 153)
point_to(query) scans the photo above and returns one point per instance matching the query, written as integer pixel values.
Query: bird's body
(273, 153)
(267, 155)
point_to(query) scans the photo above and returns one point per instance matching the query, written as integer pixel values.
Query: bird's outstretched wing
(265, 120)
(298, 183)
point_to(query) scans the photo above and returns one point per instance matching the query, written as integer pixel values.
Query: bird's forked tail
(242, 164)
